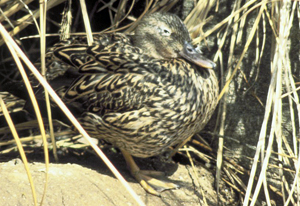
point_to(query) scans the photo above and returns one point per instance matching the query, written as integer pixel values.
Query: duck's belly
(145, 133)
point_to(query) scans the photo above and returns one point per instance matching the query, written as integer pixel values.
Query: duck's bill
(194, 56)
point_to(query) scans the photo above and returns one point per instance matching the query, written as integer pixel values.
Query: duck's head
(164, 36)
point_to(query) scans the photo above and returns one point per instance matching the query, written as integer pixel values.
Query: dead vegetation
(277, 151)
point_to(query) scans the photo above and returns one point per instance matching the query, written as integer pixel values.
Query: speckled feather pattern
(138, 103)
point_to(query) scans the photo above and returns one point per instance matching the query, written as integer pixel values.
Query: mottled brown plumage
(142, 93)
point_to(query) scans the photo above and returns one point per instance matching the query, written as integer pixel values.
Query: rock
(73, 184)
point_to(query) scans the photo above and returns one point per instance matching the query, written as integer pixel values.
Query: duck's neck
(146, 44)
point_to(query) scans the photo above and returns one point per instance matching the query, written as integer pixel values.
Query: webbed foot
(148, 178)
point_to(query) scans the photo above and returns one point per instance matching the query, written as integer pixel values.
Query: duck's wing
(113, 77)
(72, 53)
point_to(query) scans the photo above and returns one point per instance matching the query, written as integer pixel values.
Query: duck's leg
(145, 177)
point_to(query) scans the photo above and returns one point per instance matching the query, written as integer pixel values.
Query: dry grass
(272, 144)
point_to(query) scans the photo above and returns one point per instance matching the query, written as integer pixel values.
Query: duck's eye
(166, 32)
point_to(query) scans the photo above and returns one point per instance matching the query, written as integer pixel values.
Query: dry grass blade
(195, 173)
(43, 9)
(120, 12)
(86, 23)
(13, 9)
(6, 18)
(202, 156)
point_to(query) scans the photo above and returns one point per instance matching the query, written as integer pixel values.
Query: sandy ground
(88, 182)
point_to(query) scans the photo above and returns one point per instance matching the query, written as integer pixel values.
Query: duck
(143, 92)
